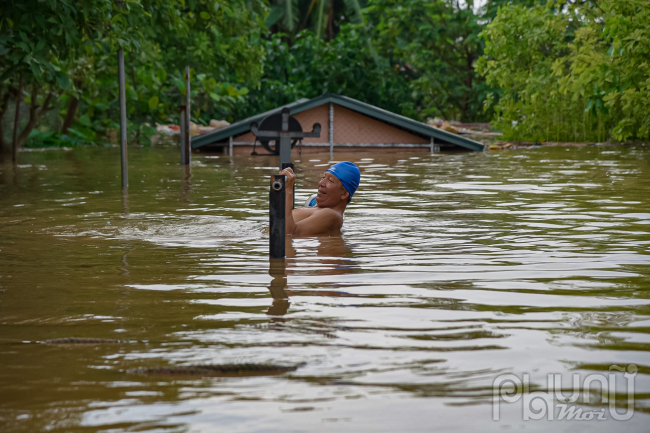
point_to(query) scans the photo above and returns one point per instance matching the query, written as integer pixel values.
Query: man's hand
(291, 178)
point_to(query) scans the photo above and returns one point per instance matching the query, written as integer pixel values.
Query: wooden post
(230, 146)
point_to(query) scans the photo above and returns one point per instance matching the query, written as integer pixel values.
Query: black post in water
(187, 153)
(122, 99)
(277, 229)
(122, 93)
(285, 139)
(182, 136)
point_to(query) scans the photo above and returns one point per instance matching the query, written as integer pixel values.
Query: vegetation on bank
(575, 71)
(551, 71)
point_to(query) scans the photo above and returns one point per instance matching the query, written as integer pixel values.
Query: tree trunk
(69, 115)
(5, 147)
(14, 142)
(72, 109)
(36, 112)
(330, 21)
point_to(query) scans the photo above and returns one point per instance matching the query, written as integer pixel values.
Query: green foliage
(217, 39)
(547, 71)
(64, 55)
(433, 46)
(412, 57)
(570, 72)
(323, 17)
(311, 67)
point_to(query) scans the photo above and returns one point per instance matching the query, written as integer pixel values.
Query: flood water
(451, 271)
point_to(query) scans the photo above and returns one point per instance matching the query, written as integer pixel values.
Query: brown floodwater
(451, 272)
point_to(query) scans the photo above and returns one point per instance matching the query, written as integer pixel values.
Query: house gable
(373, 126)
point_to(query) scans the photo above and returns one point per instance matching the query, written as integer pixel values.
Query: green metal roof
(243, 126)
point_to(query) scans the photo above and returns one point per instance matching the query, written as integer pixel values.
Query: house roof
(243, 126)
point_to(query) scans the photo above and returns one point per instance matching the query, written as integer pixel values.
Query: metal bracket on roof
(284, 135)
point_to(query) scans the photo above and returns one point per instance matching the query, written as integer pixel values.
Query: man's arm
(290, 224)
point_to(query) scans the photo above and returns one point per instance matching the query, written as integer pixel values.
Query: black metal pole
(182, 136)
(188, 119)
(277, 229)
(122, 92)
(285, 139)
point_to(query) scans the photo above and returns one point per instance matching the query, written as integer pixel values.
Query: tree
(412, 57)
(434, 45)
(323, 17)
(570, 71)
(312, 66)
(63, 51)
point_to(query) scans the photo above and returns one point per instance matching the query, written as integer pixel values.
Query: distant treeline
(557, 71)
(570, 70)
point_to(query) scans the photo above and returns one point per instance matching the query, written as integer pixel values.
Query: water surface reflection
(333, 257)
(451, 270)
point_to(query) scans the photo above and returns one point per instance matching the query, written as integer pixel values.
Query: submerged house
(345, 124)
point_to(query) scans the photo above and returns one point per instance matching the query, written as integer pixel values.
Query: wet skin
(324, 219)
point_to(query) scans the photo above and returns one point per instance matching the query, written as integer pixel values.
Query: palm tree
(323, 17)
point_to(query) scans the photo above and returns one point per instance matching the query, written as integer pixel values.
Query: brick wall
(349, 127)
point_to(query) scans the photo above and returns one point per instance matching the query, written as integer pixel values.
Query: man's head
(338, 185)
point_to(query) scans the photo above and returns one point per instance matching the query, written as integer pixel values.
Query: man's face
(330, 191)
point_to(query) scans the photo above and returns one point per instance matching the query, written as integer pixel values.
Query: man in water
(335, 191)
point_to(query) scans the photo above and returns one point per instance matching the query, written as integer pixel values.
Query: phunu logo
(553, 404)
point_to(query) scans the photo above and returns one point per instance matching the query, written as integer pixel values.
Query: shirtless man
(335, 191)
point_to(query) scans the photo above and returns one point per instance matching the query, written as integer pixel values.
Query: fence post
(122, 90)
(182, 137)
(435, 147)
(186, 149)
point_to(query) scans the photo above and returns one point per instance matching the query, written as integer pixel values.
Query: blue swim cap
(348, 174)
